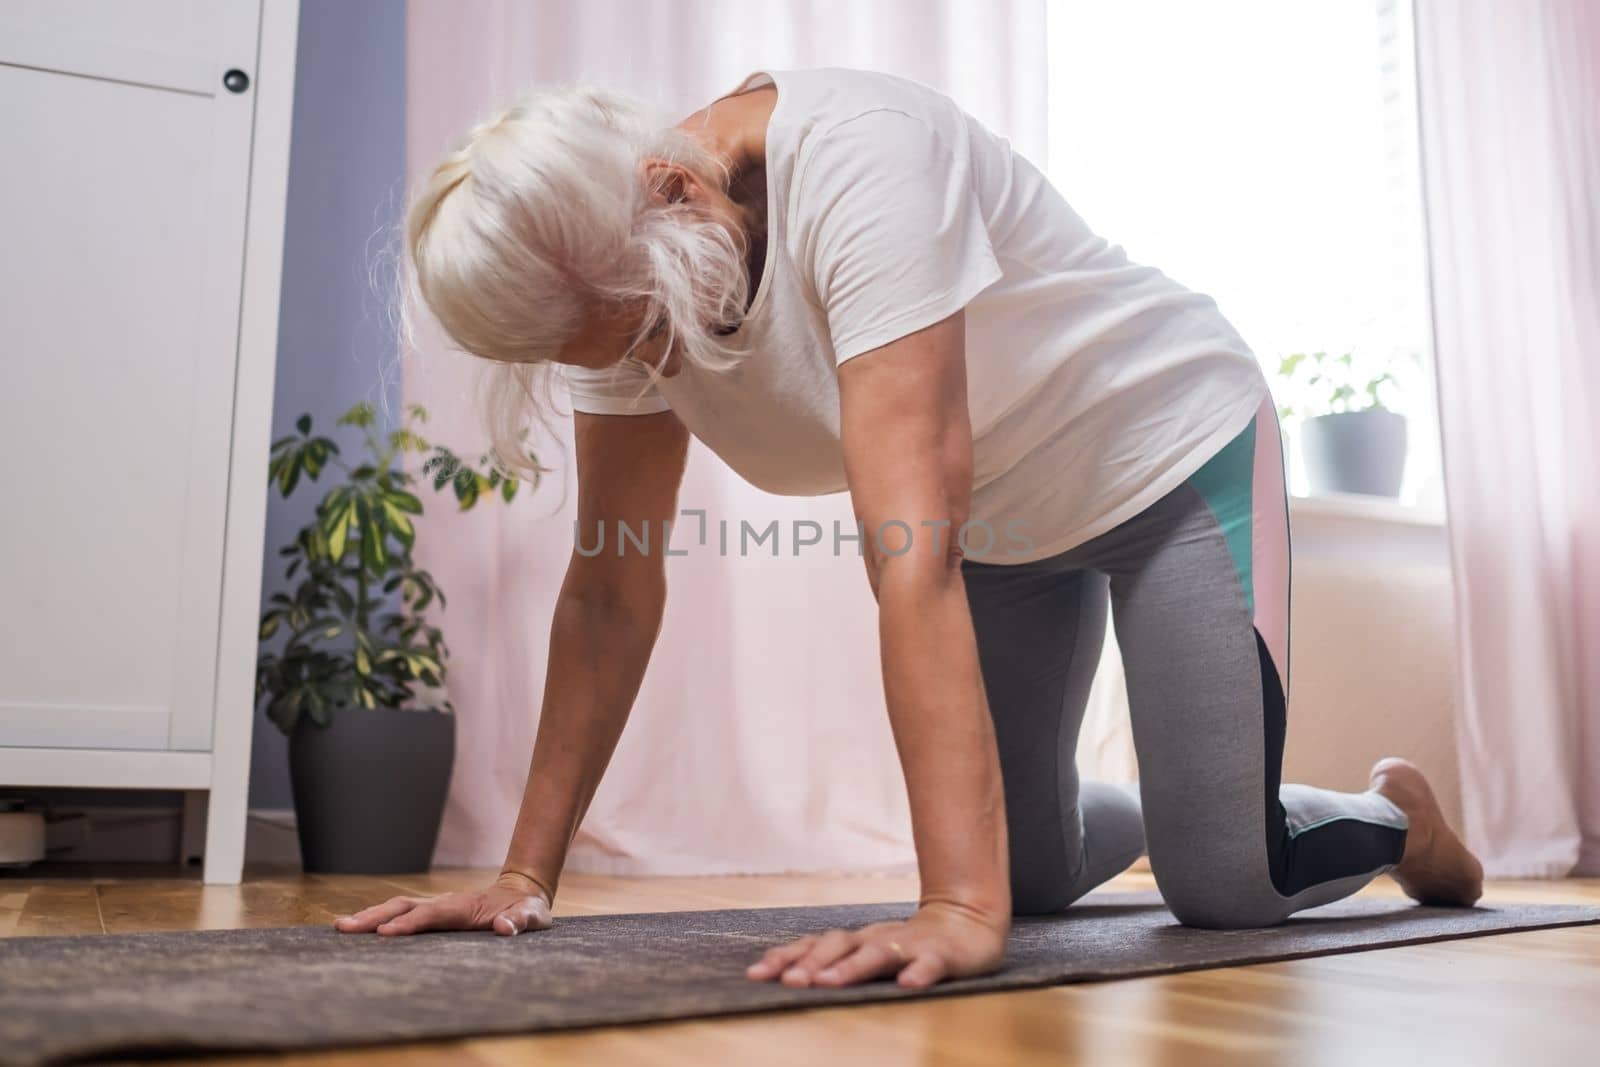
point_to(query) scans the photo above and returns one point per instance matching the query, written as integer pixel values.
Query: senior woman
(839, 280)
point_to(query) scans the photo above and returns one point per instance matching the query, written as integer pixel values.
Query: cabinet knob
(236, 81)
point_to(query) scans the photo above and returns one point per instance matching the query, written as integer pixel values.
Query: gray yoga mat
(310, 987)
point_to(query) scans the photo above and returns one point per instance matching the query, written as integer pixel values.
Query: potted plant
(1350, 438)
(358, 686)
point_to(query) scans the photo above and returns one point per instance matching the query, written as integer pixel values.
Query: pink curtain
(759, 742)
(1510, 108)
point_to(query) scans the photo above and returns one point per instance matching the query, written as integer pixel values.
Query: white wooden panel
(100, 275)
(166, 43)
(104, 768)
(121, 243)
(67, 725)
(252, 426)
(214, 369)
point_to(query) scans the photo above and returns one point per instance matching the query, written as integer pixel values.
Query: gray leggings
(1198, 588)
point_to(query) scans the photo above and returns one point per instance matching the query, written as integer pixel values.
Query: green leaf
(405, 501)
(339, 536)
(373, 554)
(441, 467)
(363, 661)
(289, 473)
(285, 711)
(269, 626)
(332, 504)
(404, 440)
(359, 415)
(303, 424)
(316, 458)
(508, 489)
(401, 525)
(466, 488)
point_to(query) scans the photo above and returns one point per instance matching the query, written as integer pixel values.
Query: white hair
(542, 215)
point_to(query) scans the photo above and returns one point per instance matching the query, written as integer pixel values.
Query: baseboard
(93, 834)
(270, 838)
(89, 833)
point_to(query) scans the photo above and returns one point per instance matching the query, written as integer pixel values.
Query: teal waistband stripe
(1226, 481)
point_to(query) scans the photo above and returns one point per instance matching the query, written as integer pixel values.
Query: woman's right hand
(514, 903)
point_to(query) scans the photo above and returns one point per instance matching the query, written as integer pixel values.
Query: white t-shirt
(1096, 385)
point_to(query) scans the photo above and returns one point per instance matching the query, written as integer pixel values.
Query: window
(1264, 152)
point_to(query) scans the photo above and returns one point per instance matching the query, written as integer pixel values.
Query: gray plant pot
(369, 789)
(1355, 452)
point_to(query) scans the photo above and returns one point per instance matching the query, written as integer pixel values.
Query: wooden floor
(1528, 998)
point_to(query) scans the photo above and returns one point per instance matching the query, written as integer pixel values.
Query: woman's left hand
(939, 941)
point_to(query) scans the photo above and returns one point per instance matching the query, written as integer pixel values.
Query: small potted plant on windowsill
(1350, 438)
(359, 690)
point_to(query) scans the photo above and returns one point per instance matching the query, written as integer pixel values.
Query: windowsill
(1366, 509)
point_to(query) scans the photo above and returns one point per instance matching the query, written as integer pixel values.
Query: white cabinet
(141, 219)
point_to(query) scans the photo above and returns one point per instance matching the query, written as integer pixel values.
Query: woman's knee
(1220, 899)
(1223, 915)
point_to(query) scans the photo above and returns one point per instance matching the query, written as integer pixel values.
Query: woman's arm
(604, 627)
(606, 620)
(908, 458)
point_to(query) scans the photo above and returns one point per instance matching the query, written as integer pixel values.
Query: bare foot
(1436, 868)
